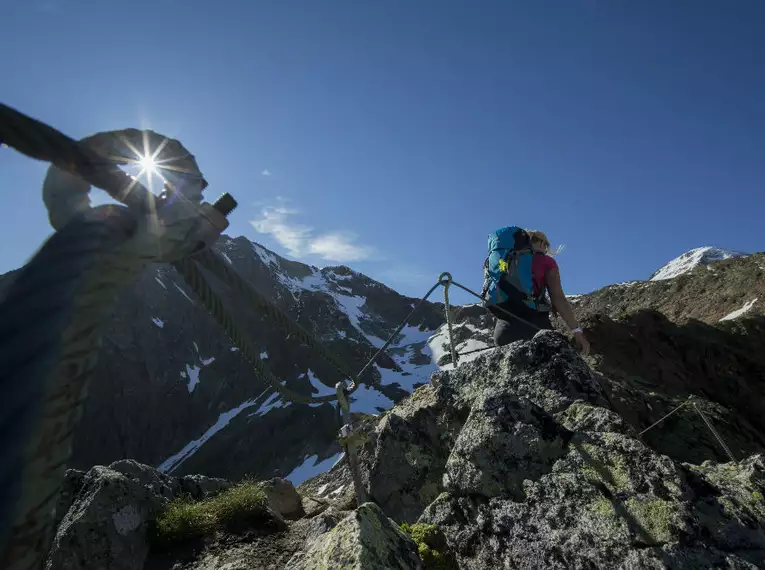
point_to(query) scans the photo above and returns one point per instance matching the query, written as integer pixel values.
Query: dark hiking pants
(508, 330)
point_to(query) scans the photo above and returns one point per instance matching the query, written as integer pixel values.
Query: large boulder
(408, 455)
(201, 487)
(106, 527)
(283, 498)
(545, 370)
(110, 511)
(504, 442)
(366, 539)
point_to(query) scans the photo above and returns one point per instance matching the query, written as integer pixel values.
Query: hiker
(518, 274)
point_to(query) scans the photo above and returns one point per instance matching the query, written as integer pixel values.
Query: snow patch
(227, 258)
(625, 284)
(310, 468)
(172, 463)
(265, 256)
(272, 402)
(263, 355)
(737, 313)
(352, 306)
(692, 259)
(159, 322)
(158, 280)
(193, 375)
(208, 361)
(367, 399)
(234, 348)
(320, 389)
(439, 346)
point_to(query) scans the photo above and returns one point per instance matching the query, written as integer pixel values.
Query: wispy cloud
(266, 172)
(274, 221)
(300, 240)
(339, 247)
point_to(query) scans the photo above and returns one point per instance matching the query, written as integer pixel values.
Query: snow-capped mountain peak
(692, 259)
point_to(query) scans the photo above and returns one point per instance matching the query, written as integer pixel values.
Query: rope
(49, 332)
(714, 433)
(399, 329)
(653, 425)
(708, 423)
(476, 350)
(446, 280)
(195, 279)
(51, 315)
(220, 269)
(349, 443)
(42, 142)
(95, 159)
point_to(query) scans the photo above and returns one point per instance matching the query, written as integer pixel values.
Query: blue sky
(393, 136)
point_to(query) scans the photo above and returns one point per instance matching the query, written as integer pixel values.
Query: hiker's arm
(552, 277)
(558, 298)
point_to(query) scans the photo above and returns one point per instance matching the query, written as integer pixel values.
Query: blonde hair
(537, 235)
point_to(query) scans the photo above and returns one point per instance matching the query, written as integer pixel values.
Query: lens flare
(148, 165)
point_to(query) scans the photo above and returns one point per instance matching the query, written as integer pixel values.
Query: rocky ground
(519, 458)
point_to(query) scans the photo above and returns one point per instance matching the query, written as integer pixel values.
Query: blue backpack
(507, 270)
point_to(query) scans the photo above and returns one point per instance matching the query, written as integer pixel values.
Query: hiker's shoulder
(546, 261)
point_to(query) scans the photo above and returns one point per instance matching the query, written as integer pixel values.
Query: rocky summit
(513, 460)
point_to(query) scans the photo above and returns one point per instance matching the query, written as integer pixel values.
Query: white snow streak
(736, 314)
(184, 293)
(159, 322)
(172, 463)
(266, 257)
(158, 280)
(272, 402)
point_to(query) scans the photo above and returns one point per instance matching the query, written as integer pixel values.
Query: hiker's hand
(582, 343)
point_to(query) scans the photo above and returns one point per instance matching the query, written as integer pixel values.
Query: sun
(147, 164)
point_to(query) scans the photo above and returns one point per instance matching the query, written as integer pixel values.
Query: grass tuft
(234, 509)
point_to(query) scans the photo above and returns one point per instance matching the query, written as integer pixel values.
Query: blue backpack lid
(503, 238)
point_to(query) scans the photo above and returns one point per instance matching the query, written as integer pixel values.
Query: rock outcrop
(364, 539)
(530, 468)
(106, 514)
(516, 459)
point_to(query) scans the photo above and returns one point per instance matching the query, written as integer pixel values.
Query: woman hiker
(518, 274)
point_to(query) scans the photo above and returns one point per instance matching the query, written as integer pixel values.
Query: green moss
(234, 509)
(757, 496)
(656, 516)
(431, 546)
(613, 471)
(603, 507)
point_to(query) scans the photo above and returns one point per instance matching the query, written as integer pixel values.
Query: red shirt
(539, 266)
